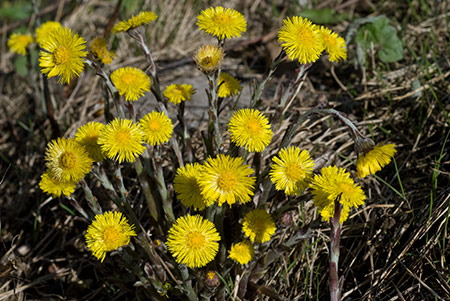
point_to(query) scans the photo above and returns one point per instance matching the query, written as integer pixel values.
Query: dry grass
(396, 247)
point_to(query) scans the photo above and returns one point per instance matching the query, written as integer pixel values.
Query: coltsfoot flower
(144, 17)
(43, 32)
(187, 187)
(335, 184)
(334, 45)
(131, 82)
(50, 185)
(250, 129)
(292, 170)
(301, 40)
(242, 252)
(122, 140)
(258, 226)
(87, 135)
(18, 43)
(100, 49)
(108, 232)
(222, 22)
(63, 54)
(176, 93)
(374, 159)
(157, 128)
(228, 85)
(208, 58)
(226, 179)
(67, 160)
(193, 240)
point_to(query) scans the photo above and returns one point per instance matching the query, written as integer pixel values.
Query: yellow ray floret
(100, 49)
(176, 93)
(157, 128)
(222, 22)
(227, 180)
(334, 45)
(375, 159)
(242, 252)
(193, 240)
(144, 17)
(291, 170)
(301, 40)
(108, 232)
(122, 140)
(250, 129)
(258, 226)
(131, 82)
(43, 32)
(87, 135)
(63, 54)
(228, 85)
(67, 160)
(18, 43)
(50, 185)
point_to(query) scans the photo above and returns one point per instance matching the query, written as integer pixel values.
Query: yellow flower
(242, 252)
(53, 186)
(131, 81)
(228, 85)
(300, 40)
(62, 54)
(67, 160)
(100, 50)
(334, 45)
(177, 93)
(18, 43)
(292, 170)
(376, 158)
(226, 179)
(87, 136)
(43, 32)
(208, 58)
(121, 140)
(144, 17)
(222, 23)
(258, 225)
(250, 129)
(109, 231)
(193, 241)
(187, 187)
(335, 184)
(157, 128)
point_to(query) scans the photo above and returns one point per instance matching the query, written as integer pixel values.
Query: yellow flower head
(242, 252)
(43, 32)
(62, 54)
(292, 170)
(100, 49)
(335, 184)
(157, 128)
(250, 129)
(177, 93)
(121, 140)
(18, 43)
(187, 187)
(50, 185)
(222, 23)
(208, 58)
(226, 179)
(375, 159)
(334, 45)
(132, 82)
(193, 241)
(144, 17)
(300, 40)
(228, 85)
(87, 136)
(67, 160)
(109, 231)
(258, 226)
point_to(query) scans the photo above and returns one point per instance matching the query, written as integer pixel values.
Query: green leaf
(21, 65)
(323, 16)
(384, 37)
(14, 10)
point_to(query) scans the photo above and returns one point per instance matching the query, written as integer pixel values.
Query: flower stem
(335, 236)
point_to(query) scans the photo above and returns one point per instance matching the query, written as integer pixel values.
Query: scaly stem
(335, 236)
